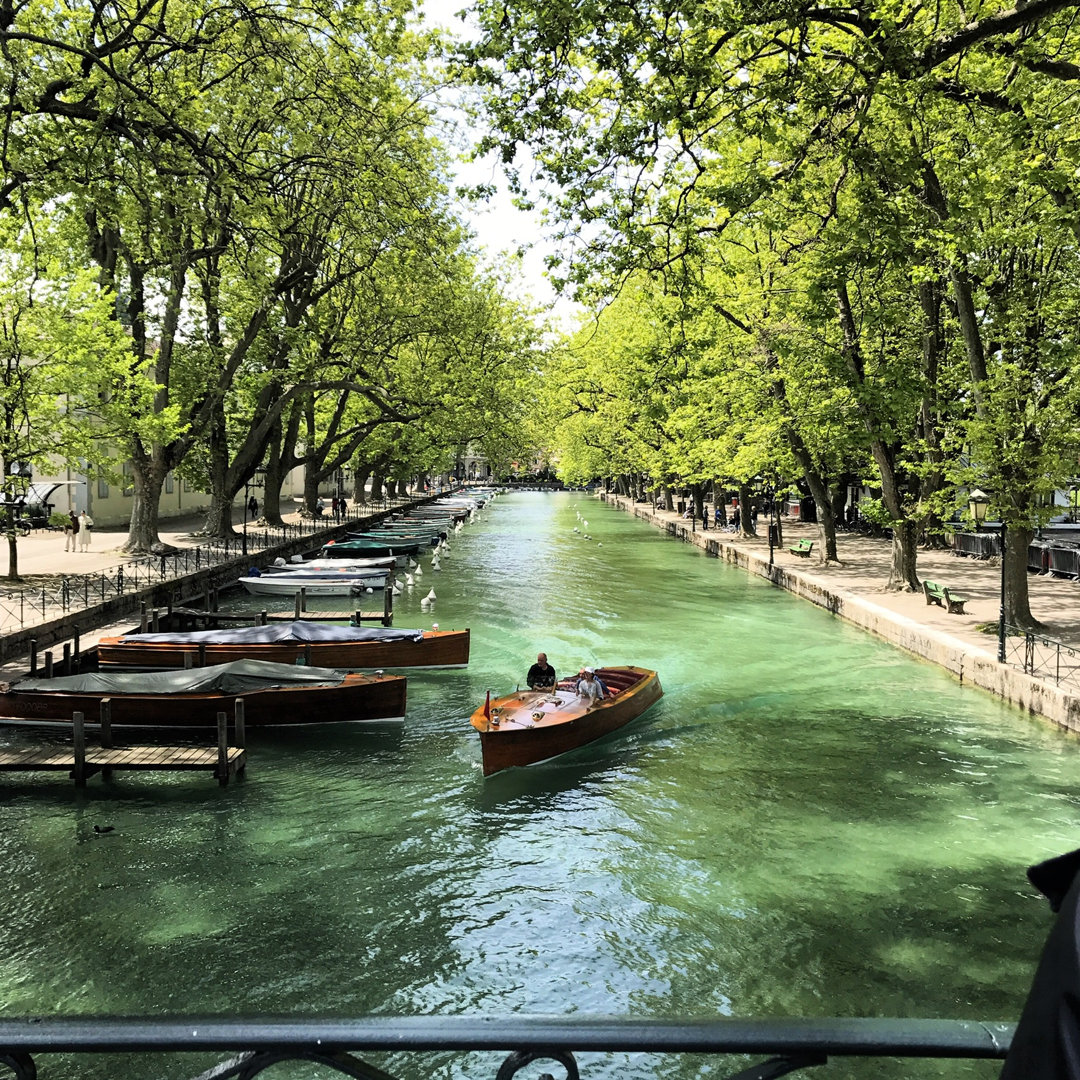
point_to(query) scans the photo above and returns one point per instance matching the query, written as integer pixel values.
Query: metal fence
(788, 1045)
(28, 606)
(1043, 657)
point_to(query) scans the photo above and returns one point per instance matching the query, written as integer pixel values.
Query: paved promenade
(855, 589)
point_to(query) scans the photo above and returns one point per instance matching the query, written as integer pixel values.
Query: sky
(499, 225)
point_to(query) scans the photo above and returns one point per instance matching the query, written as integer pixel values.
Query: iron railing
(28, 606)
(1043, 657)
(787, 1045)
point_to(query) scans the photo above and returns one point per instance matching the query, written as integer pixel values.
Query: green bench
(938, 594)
(802, 547)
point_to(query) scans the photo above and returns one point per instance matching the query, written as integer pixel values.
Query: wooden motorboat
(322, 644)
(273, 695)
(534, 725)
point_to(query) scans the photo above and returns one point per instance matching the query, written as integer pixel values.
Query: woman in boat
(589, 686)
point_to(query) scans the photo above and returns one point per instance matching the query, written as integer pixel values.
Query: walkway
(855, 589)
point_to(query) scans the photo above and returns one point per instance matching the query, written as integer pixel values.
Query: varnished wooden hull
(358, 698)
(438, 648)
(532, 727)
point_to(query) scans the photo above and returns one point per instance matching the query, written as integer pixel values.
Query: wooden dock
(82, 762)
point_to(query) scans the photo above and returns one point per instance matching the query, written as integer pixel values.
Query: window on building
(129, 487)
(102, 488)
(168, 483)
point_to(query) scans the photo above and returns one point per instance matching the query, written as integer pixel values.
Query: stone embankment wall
(971, 665)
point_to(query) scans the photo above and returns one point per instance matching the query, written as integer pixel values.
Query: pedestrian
(70, 527)
(335, 508)
(253, 508)
(86, 523)
(342, 506)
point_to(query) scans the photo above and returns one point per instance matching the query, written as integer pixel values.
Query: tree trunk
(1017, 600)
(360, 479)
(143, 536)
(219, 515)
(13, 552)
(274, 479)
(403, 489)
(746, 527)
(904, 553)
(376, 486)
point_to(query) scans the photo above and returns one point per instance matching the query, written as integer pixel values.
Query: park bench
(940, 595)
(802, 547)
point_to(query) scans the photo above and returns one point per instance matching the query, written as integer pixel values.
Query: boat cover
(275, 633)
(236, 678)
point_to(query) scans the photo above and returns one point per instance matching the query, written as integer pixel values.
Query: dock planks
(133, 758)
(81, 761)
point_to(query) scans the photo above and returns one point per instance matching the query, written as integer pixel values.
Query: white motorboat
(316, 583)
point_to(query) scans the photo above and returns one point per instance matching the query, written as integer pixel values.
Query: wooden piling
(106, 732)
(142, 617)
(154, 620)
(78, 734)
(223, 748)
(189, 660)
(297, 602)
(65, 664)
(77, 651)
(238, 720)
(48, 664)
(33, 656)
(202, 654)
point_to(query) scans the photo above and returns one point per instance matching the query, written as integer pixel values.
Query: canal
(810, 823)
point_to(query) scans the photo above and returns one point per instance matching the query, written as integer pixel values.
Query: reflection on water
(809, 823)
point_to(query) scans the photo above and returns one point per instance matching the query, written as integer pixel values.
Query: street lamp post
(247, 500)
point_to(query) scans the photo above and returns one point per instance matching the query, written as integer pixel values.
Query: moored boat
(322, 644)
(273, 695)
(347, 582)
(534, 725)
(352, 549)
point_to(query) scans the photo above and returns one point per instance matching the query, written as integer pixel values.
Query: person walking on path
(71, 530)
(85, 524)
(253, 508)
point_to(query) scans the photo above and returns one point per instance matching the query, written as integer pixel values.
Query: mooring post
(106, 733)
(154, 620)
(66, 663)
(222, 748)
(307, 653)
(262, 618)
(142, 617)
(77, 651)
(189, 660)
(106, 723)
(33, 656)
(297, 604)
(388, 607)
(48, 664)
(78, 735)
(202, 654)
(238, 720)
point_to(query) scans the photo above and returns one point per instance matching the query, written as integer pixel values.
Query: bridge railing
(787, 1046)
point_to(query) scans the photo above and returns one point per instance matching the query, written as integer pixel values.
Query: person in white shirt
(589, 686)
(86, 523)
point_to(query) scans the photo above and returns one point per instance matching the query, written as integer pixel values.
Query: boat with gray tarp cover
(273, 694)
(326, 645)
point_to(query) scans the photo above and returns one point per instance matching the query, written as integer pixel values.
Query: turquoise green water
(808, 824)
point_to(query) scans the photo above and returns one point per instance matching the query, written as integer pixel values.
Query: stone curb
(978, 667)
